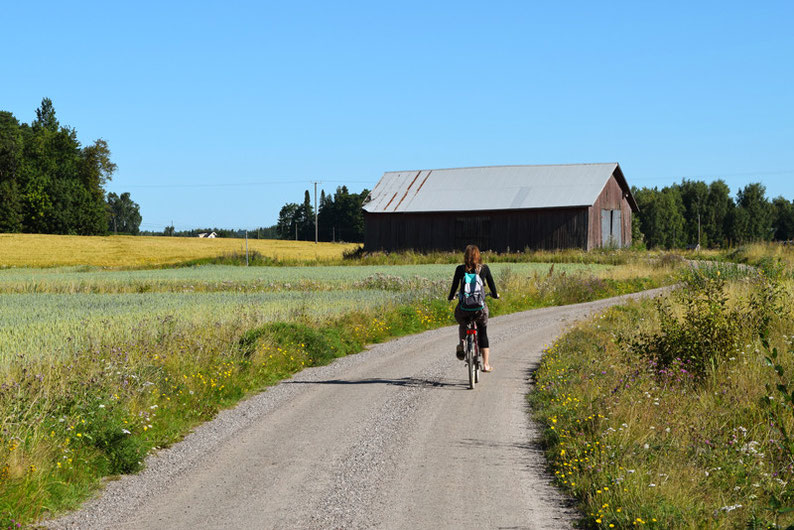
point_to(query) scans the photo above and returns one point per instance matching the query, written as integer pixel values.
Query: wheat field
(41, 250)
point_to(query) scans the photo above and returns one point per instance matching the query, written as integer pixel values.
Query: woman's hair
(472, 258)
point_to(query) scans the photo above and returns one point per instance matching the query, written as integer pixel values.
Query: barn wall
(497, 230)
(611, 198)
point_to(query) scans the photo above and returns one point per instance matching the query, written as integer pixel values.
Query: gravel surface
(388, 438)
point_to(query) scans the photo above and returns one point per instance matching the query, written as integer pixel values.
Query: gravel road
(388, 438)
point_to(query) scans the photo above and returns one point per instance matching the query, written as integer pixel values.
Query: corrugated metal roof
(490, 188)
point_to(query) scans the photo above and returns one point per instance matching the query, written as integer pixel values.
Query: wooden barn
(500, 208)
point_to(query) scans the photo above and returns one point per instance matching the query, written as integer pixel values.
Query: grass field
(41, 250)
(248, 279)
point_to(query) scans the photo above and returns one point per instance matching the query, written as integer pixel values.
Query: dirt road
(389, 438)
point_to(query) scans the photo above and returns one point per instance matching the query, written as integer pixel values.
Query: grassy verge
(67, 423)
(676, 414)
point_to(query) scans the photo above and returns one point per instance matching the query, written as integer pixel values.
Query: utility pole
(316, 230)
(698, 228)
(246, 248)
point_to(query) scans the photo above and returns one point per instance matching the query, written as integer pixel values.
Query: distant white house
(211, 235)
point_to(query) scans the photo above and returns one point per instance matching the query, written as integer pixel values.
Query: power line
(721, 175)
(243, 184)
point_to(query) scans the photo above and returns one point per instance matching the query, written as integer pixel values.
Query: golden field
(42, 250)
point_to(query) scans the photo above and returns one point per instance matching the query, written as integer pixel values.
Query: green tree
(661, 216)
(10, 162)
(754, 215)
(60, 184)
(305, 218)
(45, 116)
(287, 221)
(672, 219)
(124, 214)
(719, 208)
(783, 223)
(694, 197)
(95, 170)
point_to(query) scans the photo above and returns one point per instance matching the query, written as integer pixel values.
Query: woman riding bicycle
(472, 264)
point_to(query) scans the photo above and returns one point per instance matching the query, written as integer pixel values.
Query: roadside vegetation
(93, 378)
(679, 413)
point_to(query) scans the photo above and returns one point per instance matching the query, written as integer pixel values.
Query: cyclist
(472, 264)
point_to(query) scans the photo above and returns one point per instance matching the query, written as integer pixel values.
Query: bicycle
(472, 350)
(473, 357)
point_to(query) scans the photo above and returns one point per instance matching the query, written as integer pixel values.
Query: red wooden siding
(612, 197)
(497, 230)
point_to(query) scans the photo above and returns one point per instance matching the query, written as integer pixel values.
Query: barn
(500, 208)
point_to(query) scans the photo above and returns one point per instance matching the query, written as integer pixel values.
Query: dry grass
(40, 250)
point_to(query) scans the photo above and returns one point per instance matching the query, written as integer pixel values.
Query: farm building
(500, 208)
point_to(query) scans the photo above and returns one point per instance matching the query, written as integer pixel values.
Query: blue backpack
(472, 292)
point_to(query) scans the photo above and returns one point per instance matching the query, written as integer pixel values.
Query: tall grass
(653, 419)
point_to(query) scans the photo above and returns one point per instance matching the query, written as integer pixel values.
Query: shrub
(709, 330)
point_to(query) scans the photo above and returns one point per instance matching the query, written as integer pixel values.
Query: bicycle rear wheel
(471, 361)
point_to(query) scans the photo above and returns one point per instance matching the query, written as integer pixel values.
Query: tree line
(695, 212)
(263, 232)
(339, 217)
(51, 184)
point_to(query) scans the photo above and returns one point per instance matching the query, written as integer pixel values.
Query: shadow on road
(403, 381)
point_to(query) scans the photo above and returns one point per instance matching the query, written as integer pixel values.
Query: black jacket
(485, 274)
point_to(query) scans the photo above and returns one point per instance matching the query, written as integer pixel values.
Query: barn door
(606, 227)
(616, 239)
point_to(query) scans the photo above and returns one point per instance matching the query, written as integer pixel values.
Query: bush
(709, 330)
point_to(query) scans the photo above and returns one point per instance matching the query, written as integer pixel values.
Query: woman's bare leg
(485, 353)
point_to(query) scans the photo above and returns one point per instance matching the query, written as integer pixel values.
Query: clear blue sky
(204, 102)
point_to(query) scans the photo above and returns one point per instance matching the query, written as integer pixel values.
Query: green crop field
(232, 278)
(56, 325)
(56, 312)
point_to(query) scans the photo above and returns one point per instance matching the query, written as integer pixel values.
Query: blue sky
(217, 113)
